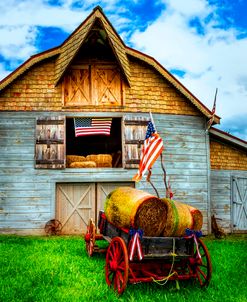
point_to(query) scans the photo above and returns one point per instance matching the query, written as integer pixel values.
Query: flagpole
(162, 164)
(161, 158)
(148, 180)
(151, 118)
(210, 122)
(150, 171)
(164, 170)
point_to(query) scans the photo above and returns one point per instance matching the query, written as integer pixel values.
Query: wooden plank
(23, 209)
(22, 217)
(25, 193)
(22, 224)
(135, 122)
(25, 201)
(49, 122)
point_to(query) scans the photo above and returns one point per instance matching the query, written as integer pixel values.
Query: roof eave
(28, 64)
(151, 61)
(228, 137)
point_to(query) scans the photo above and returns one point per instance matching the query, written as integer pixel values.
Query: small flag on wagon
(135, 246)
(92, 126)
(151, 150)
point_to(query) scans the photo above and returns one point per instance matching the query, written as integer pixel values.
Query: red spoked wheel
(90, 237)
(117, 265)
(202, 265)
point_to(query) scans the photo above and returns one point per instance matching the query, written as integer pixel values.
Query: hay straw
(126, 207)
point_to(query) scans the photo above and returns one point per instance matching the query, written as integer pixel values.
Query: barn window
(57, 147)
(104, 151)
(93, 85)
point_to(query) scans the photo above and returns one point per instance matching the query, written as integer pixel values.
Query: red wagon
(134, 258)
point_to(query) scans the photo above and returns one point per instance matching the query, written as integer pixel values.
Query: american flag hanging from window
(92, 126)
(151, 150)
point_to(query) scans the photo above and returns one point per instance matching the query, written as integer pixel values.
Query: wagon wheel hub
(87, 237)
(113, 265)
(90, 237)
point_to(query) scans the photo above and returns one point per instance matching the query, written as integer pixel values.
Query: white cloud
(212, 59)
(17, 42)
(38, 13)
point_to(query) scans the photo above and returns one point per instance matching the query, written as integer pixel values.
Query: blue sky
(202, 42)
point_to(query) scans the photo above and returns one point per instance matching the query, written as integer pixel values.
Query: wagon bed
(158, 259)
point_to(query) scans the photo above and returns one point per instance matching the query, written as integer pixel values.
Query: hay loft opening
(92, 151)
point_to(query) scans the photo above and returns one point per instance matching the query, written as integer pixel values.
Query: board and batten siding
(221, 196)
(27, 195)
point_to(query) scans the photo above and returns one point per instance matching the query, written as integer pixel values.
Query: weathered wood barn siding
(41, 88)
(28, 194)
(221, 196)
(228, 164)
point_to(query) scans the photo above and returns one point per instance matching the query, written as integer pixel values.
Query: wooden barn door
(239, 204)
(75, 205)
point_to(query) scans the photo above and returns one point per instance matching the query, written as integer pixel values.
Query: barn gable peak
(98, 29)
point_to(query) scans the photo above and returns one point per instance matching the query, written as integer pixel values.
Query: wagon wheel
(90, 237)
(117, 265)
(53, 227)
(201, 267)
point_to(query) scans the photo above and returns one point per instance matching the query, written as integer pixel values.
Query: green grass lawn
(58, 269)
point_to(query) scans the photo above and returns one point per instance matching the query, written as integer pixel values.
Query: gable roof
(178, 85)
(72, 45)
(67, 51)
(28, 64)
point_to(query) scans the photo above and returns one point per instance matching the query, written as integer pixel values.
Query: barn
(48, 172)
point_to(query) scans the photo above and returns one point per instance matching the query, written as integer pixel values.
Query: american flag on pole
(210, 122)
(92, 126)
(151, 150)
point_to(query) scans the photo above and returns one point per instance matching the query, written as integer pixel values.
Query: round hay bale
(127, 207)
(197, 218)
(179, 218)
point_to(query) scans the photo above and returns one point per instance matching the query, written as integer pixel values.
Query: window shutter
(134, 134)
(50, 146)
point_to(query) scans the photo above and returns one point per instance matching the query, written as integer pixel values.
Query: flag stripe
(152, 157)
(151, 149)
